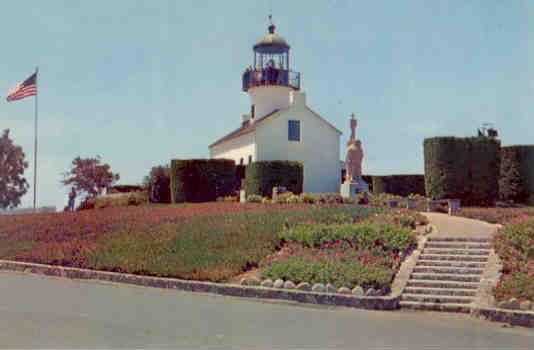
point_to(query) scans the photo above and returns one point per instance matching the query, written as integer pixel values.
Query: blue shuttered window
(293, 130)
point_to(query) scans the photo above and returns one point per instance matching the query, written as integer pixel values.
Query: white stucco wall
(241, 147)
(268, 98)
(318, 148)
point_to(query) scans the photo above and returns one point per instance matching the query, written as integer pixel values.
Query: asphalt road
(40, 311)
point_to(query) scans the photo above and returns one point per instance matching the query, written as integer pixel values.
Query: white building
(281, 126)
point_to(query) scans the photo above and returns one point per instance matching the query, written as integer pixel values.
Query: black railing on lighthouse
(270, 76)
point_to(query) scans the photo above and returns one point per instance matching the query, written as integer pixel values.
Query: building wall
(268, 98)
(235, 149)
(318, 148)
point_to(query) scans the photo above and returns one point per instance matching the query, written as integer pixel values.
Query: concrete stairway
(447, 274)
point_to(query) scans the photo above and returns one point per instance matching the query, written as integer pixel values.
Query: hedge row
(262, 176)
(400, 185)
(517, 174)
(464, 168)
(201, 180)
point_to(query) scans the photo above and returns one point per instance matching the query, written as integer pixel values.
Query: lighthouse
(280, 125)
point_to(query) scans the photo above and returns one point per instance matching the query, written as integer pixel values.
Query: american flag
(25, 89)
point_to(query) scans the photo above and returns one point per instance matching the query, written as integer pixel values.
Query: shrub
(338, 271)
(201, 180)
(254, 198)
(158, 183)
(518, 285)
(228, 199)
(330, 198)
(516, 182)
(283, 198)
(261, 177)
(309, 198)
(86, 204)
(239, 176)
(463, 168)
(125, 189)
(121, 200)
(400, 185)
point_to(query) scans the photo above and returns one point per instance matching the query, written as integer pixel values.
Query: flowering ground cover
(515, 245)
(496, 215)
(364, 253)
(212, 241)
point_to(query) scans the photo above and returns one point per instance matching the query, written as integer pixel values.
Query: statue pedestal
(351, 189)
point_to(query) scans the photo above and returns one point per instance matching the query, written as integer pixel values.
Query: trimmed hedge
(517, 174)
(463, 168)
(239, 175)
(400, 185)
(201, 180)
(158, 183)
(261, 177)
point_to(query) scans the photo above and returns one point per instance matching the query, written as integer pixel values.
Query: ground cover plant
(515, 245)
(497, 215)
(343, 252)
(209, 241)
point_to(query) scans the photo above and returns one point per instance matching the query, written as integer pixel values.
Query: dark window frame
(293, 134)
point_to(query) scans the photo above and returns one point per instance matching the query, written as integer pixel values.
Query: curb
(362, 302)
(513, 317)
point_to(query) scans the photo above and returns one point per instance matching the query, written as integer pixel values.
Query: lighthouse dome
(271, 42)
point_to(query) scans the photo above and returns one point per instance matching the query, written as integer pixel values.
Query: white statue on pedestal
(353, 165)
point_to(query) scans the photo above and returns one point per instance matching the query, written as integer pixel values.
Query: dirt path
(455, 226)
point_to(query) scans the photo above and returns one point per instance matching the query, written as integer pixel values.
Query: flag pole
(35, 145)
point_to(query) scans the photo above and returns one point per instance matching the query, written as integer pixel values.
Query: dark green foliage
(517, 174)
(261, 177)
(400, 185)
(13, 185)
(158, 183)
(125, 188)
(463, 168)
(201, 180)
(239, 175)
(369, 180)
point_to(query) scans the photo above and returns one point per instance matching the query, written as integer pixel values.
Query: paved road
(40, 311)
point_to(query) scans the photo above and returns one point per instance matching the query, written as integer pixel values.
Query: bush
(400, 185)
(125, 189)
(121, 200)
(239, 176)
(86, 204)
(254, 198)
(386, 235)
(462, 168)
(228, 199)
(261, 177)
(158, 183)
(516, 182)
(338, 271)
(330, 198)
(201, 180)
(518, 285)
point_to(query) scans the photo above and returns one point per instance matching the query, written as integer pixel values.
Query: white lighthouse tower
(280, 125)
(270, 81)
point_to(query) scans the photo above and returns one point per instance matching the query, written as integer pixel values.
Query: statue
(353, 164)
(354, 157)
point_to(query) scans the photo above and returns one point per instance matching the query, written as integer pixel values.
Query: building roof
(271, 42)
(245, 128)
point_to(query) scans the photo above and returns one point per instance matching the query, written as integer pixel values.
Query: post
(35, 145)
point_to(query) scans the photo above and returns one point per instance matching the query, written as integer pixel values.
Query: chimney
(298, 98)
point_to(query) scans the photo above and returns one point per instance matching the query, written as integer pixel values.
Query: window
(249, 159)
(293, 130)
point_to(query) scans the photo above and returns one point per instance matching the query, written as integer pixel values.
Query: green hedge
(517, 174)
(261, 177)
(464, 168)
(201, 180)
(400, 185)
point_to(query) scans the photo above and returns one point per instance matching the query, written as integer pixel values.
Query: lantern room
(271, 63)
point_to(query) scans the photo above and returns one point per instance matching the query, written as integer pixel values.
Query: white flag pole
(35, 145)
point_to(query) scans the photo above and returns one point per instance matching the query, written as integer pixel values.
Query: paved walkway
(40, 311)
(456, 226)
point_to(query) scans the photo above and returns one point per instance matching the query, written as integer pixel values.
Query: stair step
(442, 299)
(445, 277)
(449, 251)
(458, 245)
(448, 270)
(450, 263)
(442, 284)
(441, 291)
(459, 239)
(449, 307)
(453, 257)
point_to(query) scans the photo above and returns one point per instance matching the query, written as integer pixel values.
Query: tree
(158, 183)
(511, 184)
(89, 176)
(13, 185)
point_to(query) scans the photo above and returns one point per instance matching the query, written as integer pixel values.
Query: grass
(213, 241)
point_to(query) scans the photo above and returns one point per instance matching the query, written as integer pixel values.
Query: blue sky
(141, 82)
